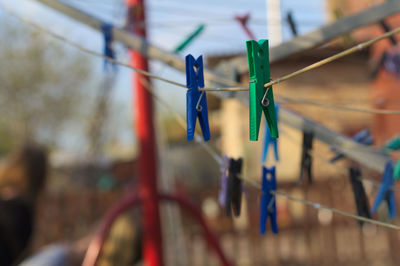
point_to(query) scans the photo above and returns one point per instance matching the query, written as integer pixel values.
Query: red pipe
(94, 249)
(147, 172)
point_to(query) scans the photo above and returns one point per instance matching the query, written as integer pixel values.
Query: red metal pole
(152, 242)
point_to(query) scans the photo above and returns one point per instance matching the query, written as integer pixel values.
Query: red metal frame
(152, 241)
(148, 195)
(97, 242)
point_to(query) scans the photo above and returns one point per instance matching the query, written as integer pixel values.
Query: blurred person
(22, 177)
(60, 254)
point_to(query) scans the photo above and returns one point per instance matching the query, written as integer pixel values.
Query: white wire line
(146, 73)
(341, 169)
(216, 156)
(288, 100)
(334, 57)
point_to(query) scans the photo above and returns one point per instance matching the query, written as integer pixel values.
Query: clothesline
(218, 158)
(148, 74)
(213, 153)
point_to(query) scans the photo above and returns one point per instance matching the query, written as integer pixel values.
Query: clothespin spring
(198, 106)
(265, 101)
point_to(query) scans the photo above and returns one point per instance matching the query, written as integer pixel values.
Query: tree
(42, 84)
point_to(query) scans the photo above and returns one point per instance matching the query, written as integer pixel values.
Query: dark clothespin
(234, 191)
(108, 50)
(292, 23)
(268, 140)
(268, 202)
(385, 192)
(306, 158)
(362, 137)
(386, 28)
(224, 181)
(196, 101)
(360, 196)
(261, 99)
(243, 22)
(390, 61)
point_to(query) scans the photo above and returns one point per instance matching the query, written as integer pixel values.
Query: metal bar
(324, 34)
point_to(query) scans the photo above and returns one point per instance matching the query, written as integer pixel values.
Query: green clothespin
(394, 144)
(189, 39)
(260, 98)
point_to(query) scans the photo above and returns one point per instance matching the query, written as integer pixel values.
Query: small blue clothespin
(268, 203)
(108, 50)
(362, 137)
(196, 101)
(268, 140)
(384, 191)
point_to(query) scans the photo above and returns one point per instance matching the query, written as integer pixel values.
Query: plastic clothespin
(292, 23)
(224, 181)
(196, 100)
(243, 23)
(394, 144)
(268, 203)
(268, 140)
(384, 191)
(360, 196)
(108, 50)
(391, 61)
(261, 99)
(234, 191)
(189, 38)
(306, 158)
(386, 28)
(362, 137)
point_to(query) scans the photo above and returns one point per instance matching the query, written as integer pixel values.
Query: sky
(169, 22)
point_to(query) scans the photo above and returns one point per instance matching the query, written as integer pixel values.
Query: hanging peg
(360, 196)
(108, 50)
(362, 137)
(385, 192)
(261, 99)
(386, 28)
(196, 101)
(224, 181)
(234, 191)
(394, 144)
(306, 158)
(292, 23)
(268, 202)
(389, 60)
(268, 140)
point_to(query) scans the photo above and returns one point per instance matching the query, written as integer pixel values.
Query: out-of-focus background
(62, 99)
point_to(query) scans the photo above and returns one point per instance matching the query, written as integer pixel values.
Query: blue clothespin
(268, 203)
(108, 50)
(268, 140)
(384, 193)
(362, 137)
(196, 101)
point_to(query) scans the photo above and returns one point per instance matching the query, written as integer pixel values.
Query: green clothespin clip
(394, 144)
(189, 39)
(260, 98)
